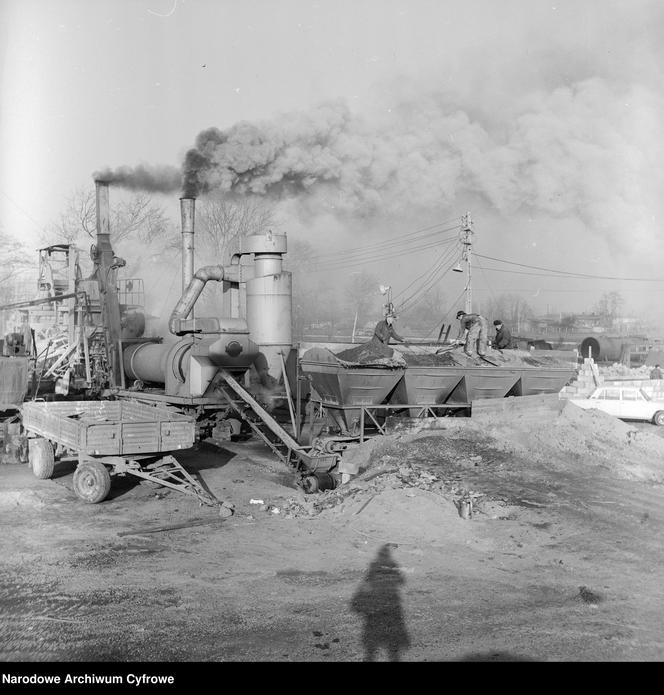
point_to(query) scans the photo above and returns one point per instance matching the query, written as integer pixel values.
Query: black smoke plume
(144, 177)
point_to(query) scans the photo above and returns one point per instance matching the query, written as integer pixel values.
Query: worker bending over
(385, 330)
(473, 329)
(503, 339)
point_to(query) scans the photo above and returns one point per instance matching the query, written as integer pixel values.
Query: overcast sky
(544, 119)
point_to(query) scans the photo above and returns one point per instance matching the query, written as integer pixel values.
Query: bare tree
(17, 261)
(362, 296)
(609, 306)
(221, 221)
(428, 311)
(16, 257)
(509, 308)
(300, 261)
(135, 216)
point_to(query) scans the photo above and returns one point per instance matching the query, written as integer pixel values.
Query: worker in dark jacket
(503, 337)
(656, 373)
(473, 332)
(385, 330)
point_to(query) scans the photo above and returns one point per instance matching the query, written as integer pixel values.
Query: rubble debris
(364, 505)
(589, 596)
(465, 507)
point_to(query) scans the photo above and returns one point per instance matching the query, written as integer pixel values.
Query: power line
(375, 257)
(530, 290)
(391, 253)
(426, 272)
(445, 315)
(430, 281)
(566, 273)
(568, 277)
(370, 250)
(18, 207)
(437, 278)
(481, 267)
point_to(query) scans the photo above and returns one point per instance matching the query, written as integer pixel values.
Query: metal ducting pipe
(604, 348)
(187, 212)
(192, 293)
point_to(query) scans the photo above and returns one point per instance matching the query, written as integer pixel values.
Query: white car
(625, 402)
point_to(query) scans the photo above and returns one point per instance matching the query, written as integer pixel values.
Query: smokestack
(106, 266)
(187, 210)
(103, 209)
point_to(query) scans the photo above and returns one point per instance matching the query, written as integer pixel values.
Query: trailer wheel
(659, 417)
(41, 458)
(92, 482)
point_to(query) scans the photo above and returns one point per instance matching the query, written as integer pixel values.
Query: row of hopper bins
(345, 390)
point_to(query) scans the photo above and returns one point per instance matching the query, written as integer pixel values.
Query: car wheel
(659, 417)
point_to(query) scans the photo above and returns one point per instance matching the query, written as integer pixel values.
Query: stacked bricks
(587, 380)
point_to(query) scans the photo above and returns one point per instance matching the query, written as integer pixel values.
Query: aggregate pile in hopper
(374, 374)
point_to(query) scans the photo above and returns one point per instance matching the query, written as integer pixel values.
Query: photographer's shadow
(378, 601)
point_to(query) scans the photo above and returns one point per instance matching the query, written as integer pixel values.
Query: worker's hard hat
(460, 314)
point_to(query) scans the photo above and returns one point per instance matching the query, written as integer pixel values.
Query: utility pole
(467, 241)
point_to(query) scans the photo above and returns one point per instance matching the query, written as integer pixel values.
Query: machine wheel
(41, 458)
(92, 482)
(659, 417)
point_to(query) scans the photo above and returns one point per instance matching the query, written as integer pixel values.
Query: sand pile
(366, 352)
(570, 439)
(562, 438)
(365, 355)
(423, 359)
(455, 356)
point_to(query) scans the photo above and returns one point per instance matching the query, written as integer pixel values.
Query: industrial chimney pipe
(103, 208)
(187, 210)
(106, 265)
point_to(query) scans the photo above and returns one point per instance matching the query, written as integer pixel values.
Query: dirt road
(560, 561)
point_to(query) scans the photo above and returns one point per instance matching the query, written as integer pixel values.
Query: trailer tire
(92, 482)
(659, 417)
(41, 458)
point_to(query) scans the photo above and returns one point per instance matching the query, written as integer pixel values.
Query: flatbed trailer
(112, 438)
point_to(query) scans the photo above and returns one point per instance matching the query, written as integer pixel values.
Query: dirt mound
(566, 439)
(573, 438)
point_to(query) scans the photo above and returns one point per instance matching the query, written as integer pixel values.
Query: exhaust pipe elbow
(191, 294)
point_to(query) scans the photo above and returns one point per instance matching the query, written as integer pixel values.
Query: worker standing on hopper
(656, 373)
(385, 330)
(473, 331)
(503, 339)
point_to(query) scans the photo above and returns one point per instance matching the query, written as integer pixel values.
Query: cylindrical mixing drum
(146, 361)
